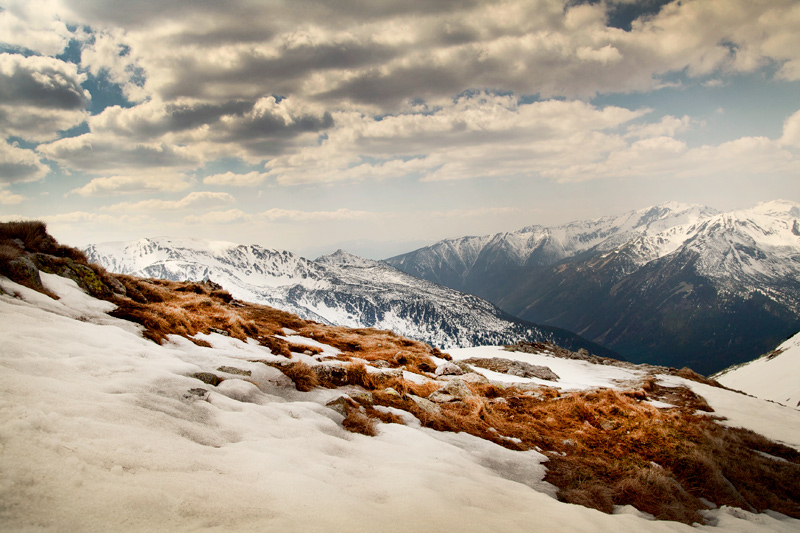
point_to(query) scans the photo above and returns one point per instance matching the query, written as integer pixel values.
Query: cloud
(667, 126)
(218, 217)
(290, 215)
(38, 124)
(477, 135)
(116, 185)
(386, 53)
(665, 157)
(103, 153)
(230, 179)
(42, 82)
(193, 200)
(791, 131)
(33, 26)
(9, 198)
(19, 165)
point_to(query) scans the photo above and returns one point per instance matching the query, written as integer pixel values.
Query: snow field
(98, 431)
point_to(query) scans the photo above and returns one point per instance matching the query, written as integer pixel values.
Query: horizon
(380, 129)
(333, 249)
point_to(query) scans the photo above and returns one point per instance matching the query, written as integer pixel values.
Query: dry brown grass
(301, 374)
(357, 421)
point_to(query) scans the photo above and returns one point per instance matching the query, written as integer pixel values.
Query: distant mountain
(773, 376)
(673, 284)
(339, 288)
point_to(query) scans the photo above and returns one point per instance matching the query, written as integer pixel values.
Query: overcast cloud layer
(305, 125)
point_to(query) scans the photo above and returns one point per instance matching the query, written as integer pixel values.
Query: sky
(383, 126)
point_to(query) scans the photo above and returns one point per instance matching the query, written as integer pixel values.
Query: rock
(234, 370)
(362, 396)
(25, 272)
(453, 391)
(448, 369)
(331, 374)
(83, 276)
(424, 404)
(463, 366)
(514, 368)
(116, 286)
(208, 377)
(340, 404)
(471, 377)
(196, 393)
(219, 332)
(380, 363)
(391, 392)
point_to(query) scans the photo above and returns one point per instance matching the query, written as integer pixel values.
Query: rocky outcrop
(455, 390)
(514, 368)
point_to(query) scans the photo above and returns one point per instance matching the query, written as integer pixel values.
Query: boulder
(448, 369)
(207, 377)
(424, 404)
(514, 368)
(455, 390)
(25, 272)
(340, 404)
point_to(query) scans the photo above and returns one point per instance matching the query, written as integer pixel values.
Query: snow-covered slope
(102, 430)
(774, 376)
(674, 284)
(339, 289)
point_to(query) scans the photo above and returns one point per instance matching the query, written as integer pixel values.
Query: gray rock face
(425, 404)
(514, 368)
(455, 390)
(448, 369)
(22, 268)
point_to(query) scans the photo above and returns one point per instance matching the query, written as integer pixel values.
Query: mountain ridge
(338, 288)
(617, 279)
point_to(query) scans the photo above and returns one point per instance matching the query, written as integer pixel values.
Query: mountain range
(675, 284)
(340, 289)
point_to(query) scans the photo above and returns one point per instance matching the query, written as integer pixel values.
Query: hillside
(170, 405)
(773, 376)
(339, 288)
(673, 284)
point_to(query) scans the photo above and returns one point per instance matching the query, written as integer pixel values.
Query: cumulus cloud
(38, 124)
(791, 131)
(41, 82)
(116, 185)
(33, 26)
(196, 200)
(101, 153)
(19, 165)
(478, 135)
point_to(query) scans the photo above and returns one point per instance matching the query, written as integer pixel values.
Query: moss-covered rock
(86, 278)
(24, 271)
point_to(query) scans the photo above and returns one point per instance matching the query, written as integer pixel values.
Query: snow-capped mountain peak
(343, 258)
(339, 288)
